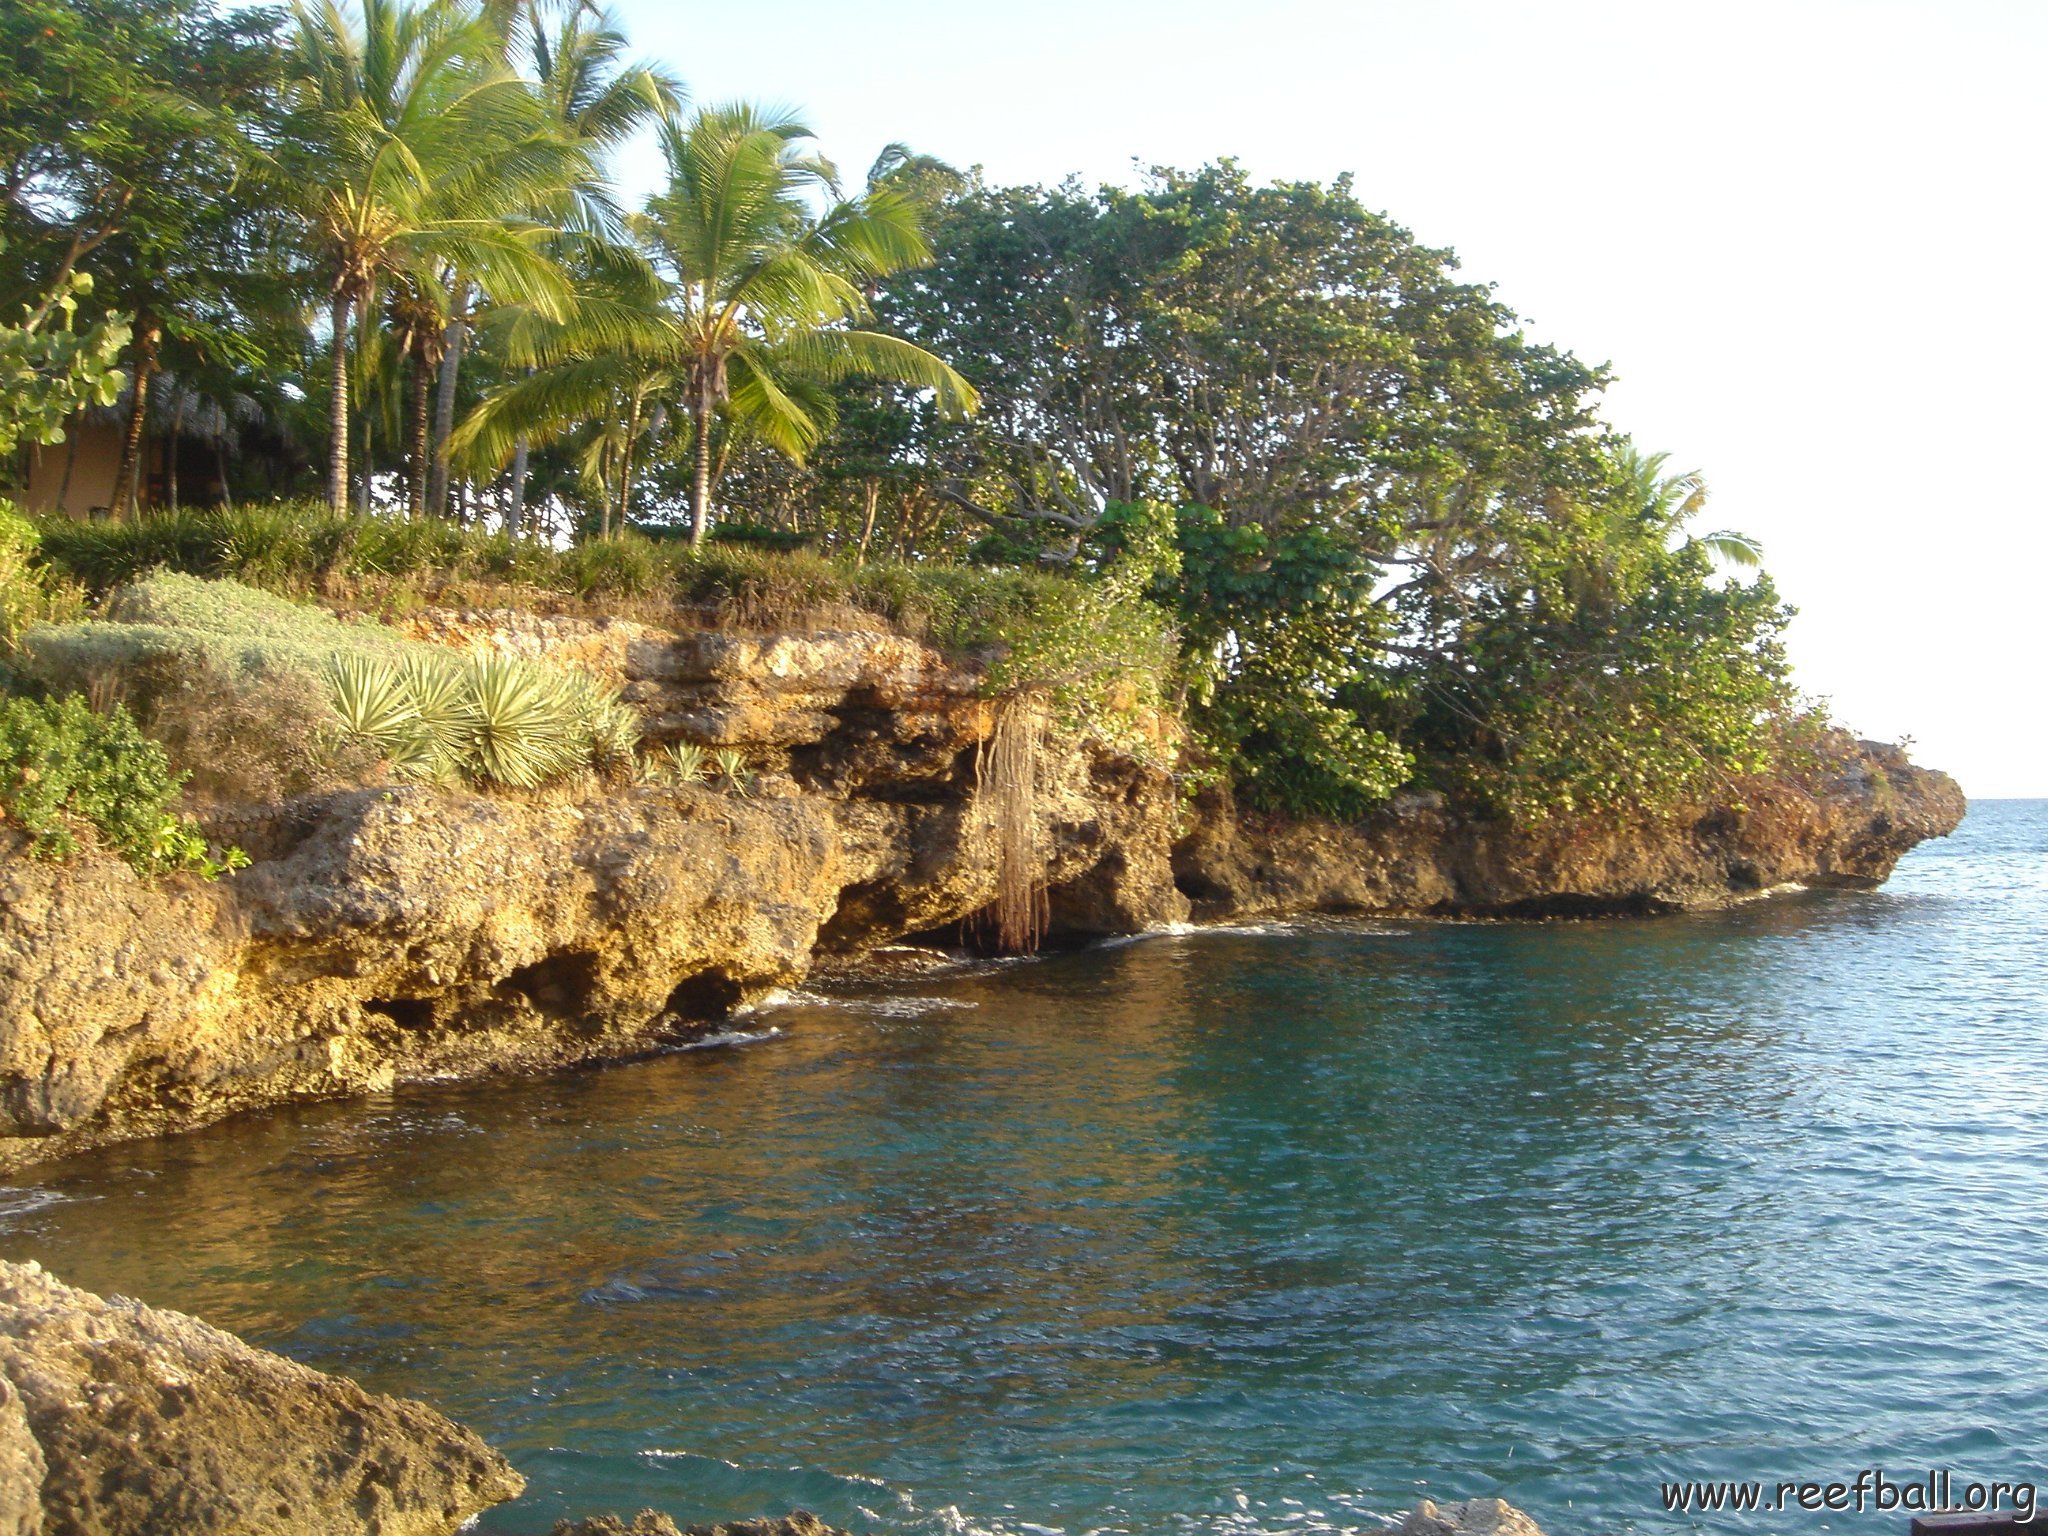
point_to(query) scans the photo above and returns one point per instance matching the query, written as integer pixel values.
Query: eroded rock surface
(417, 932)
(1847, 826)
(142, 1422)
(413, 933)
(21, 1468)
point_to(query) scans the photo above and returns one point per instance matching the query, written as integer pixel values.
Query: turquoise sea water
(1265, 1230)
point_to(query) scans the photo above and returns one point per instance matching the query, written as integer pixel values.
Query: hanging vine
(1007, 771)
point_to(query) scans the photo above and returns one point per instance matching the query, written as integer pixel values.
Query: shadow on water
(1167, 1234)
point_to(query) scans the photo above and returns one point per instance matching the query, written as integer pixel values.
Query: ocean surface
(1269, 1229)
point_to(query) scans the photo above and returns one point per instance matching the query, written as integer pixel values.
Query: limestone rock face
(410, 933)
(835, 708)
(1847, 825)
(415, 932)
(21, 1468)
(1472, 1517)
(143, 1422)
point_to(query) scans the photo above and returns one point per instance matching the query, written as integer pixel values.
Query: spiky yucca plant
(609, 730)
(443, 703)
(526, 723)
(686, 762)
(496, 718)
(730, 765)
(374, 705)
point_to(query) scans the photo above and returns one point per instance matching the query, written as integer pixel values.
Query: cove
(1242, 1230)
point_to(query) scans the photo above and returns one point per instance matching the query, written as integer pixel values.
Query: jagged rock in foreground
(416, 933)
(143, 1422)
(21, 1468)
(1847, 825)
(1472, 1517)
(652, 1522)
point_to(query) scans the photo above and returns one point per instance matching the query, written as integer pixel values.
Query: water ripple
(1228, 1233)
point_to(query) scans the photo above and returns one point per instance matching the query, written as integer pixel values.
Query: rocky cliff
(1844, 823)
(413, 933)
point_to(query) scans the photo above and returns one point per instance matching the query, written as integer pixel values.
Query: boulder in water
(123, 1420)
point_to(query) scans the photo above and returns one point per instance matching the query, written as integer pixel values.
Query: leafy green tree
(128, 136)
(48, 371)
(1390, 501)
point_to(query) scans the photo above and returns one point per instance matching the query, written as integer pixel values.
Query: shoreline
(899, 974)
(852, 985)
(415, 934)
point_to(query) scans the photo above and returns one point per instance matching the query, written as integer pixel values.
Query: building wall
(76, 476)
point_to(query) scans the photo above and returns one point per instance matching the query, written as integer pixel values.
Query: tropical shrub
(63, 765)
(1579, 698)
(197, 659)
(295, 548)
(28, 593)
(267, 697)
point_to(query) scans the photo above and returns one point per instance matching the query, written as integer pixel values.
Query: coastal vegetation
(358, 282)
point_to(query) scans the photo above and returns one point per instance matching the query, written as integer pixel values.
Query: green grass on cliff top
(385, 566)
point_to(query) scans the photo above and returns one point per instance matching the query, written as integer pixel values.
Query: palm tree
(767, 291)
(1665, 503)
(598, 372)
(418, 150)
(591, 98)
(594, 98)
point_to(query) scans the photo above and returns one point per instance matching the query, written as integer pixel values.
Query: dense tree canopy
(1392, 539)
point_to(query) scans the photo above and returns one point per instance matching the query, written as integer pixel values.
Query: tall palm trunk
(365, 485)
(515, 513)
(337, 412)
(867, 522)
(416, 482)
(128, 477)
(444, 402)
(700, 486)
(626, 463)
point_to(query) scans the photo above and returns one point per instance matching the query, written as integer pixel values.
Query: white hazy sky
(1807, 235)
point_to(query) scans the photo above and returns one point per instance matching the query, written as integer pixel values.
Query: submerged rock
(123, 1420)
(1472, 1517)
(651, 1522)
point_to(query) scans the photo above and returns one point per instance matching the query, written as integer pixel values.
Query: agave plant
(730, 765)
(686, 762)
(526, 722)
(446, 710)
(609, 730)
(374, 706)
